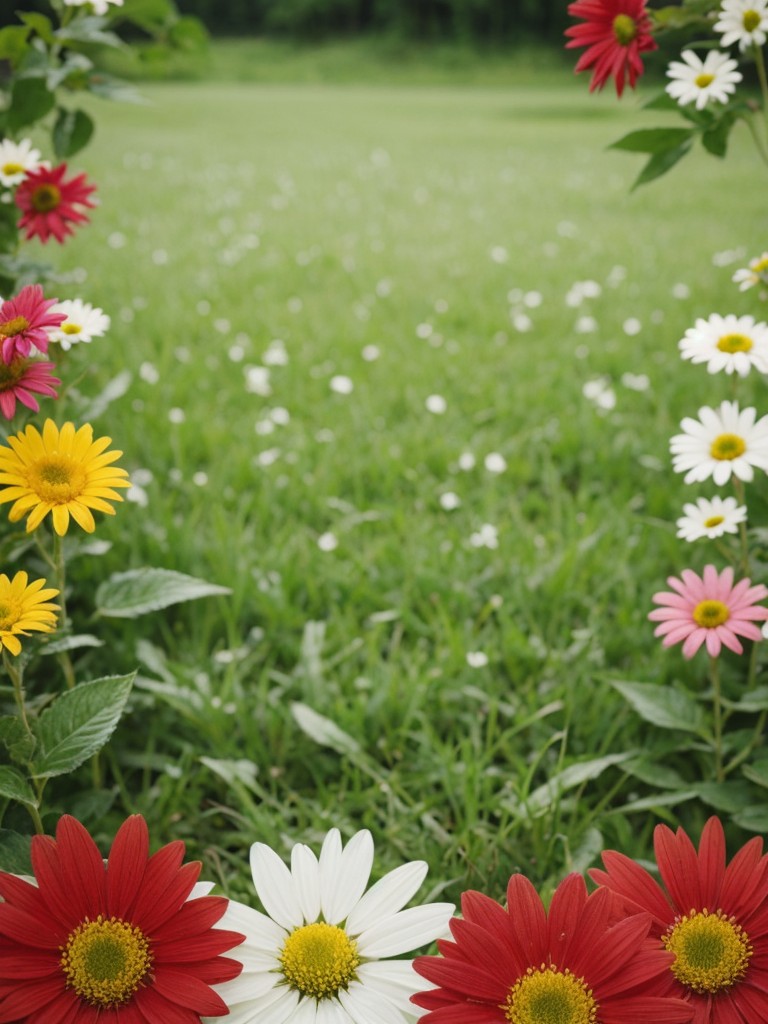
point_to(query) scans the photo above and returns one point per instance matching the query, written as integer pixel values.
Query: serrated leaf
(14, 852)
(662, 706)
(71, 132)
(126, 595)
(16, 740)
(653, 140)
(660, 163)
(14, 786)
(322, 730)
(79, 723)
(71, 642)
(31, 100)
(574, 775)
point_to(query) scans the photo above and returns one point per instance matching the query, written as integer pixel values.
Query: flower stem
(760, 64)
(738, 487)
(717, 717)
(18, 692)
(61, 581)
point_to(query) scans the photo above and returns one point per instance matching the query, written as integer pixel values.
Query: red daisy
(616, 32)
(712, 916)
(114, 943)
(579, 964)
(21, 377)
(49, 204)
(24, 322)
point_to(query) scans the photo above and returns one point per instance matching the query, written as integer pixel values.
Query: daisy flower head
(722, 442)
(82, 322)
(17, 159)
(20, 380)
(578, 963)
(709, 609)
(321, 952)
(713, 915)
(731, 343)
(24, 607)
(616, 33)
(25, 321)
(711, 517)
(129, 940)
(51, 203)
(711, 80)
(62, 471)
(755, 273)
(744, 22)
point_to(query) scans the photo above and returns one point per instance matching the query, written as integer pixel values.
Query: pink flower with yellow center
(24, 322)
(616, 33)
(49, 203)
(710, 610)
(22, 377)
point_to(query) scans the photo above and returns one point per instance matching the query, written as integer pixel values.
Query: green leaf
(150, 15)
(755, 700)
(650, 803)
(107, 87)
(726, 796)
(126, 595)
(661, 102)
(88, 30)
(574, 775)
(15, 786)
(39, 24)
(79, 723)
(663, 706)
(234, 772)
(754, 819)
(14, 852)
(715, 139)
(653, 140)
(16, 740)
(13, 43)
(71, 132)
(654, 774)
(31, 100)
(757, 773)
(71, 642)
(659, 164)
(322, 730)
(188, 34)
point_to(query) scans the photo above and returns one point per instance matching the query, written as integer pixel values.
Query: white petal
(305, 1013)
(395, 979)
(273, 1008)
(274, 885)
(260, 931)
(365, 1007)
(306, 879)
(330, 1011)
(405, 931)
(344, 882)
(387, 896)
(251, 984)
(200, 889)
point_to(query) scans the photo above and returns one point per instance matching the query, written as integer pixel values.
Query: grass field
(356, 399)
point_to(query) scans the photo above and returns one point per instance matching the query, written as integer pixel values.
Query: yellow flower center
(727, 447)
(10, 612)
(734, 343)
(710, 614)
(56, 479)
(712, 951)
(703, 80)
(11, 373)
(46, 198)
(759, 266)
(750, 20)
(624, 29)
(319, 959)
(71, 328)
(12, 168)
(105, 961)
(15, 326)
(550, 996)
(713, 521)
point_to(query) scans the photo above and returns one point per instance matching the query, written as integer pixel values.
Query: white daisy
(17, 159)
(711, 517)
(84, 322)
(702, 81)
(99, 6)
(320, 953)
(755, 273)
(731, 343)
(720, 443)
(744, 22)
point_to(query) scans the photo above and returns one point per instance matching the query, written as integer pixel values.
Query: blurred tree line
(450, 20)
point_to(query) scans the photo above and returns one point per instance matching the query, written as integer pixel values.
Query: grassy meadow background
(293, 267)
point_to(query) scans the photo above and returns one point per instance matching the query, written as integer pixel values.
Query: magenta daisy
(24, 322)
(50, 204)
(709, 610)
(579, 963)
(131, 941)
(19, 379)
(616, 33)
(711, 914)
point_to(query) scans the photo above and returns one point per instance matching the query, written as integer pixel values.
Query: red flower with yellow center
(49, 203)
(615, 33)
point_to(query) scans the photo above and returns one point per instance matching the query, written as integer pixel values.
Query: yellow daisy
(61, 471)
(24, 607)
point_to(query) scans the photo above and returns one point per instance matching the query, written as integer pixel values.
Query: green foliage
(126, 595)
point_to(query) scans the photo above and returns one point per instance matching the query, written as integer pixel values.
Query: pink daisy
(21, 377)
(616, 33)
(49, 204)
(24, 321)
(709, 610)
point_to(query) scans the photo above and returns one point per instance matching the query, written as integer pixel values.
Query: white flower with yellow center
(320, 953)
(702, 81)
(711, 517)
(755, 273)
(731, 343)
(83, 322)
(17, 159)
(722, 442)
(744, 22)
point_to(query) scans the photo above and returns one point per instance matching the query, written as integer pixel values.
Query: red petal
(26, 1000)
(165, 888)
(678, 867)
(82, 868)
(636, 887)
(183, 988)
(528, 918)
(198, 915)
(127, 863)
(156, 1009)
(564, 913)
